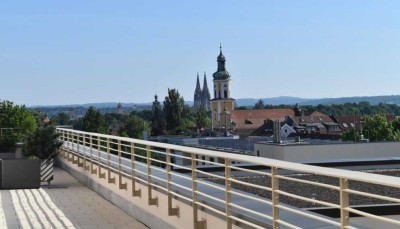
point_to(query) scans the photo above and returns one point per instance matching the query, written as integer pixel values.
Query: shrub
(42, 143)
(8, 143)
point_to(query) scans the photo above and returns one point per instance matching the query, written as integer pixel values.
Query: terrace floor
(66, 203)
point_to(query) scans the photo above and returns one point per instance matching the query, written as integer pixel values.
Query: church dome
(221, 57)
(221, 75)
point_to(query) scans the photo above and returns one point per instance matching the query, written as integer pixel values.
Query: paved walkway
(65, 204)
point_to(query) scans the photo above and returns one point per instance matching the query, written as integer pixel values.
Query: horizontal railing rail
(274, 198)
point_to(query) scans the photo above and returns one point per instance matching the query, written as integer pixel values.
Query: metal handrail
(133, 158)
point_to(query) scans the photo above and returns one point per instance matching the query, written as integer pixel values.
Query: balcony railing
(207, 189)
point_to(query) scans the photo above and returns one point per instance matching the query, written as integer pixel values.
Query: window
(352, 124)
(225, 94)
(320, 119)
(203, 158)
(247, 121)
(212, 159)
(345, 125)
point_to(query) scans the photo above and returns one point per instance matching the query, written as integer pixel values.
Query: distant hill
(287, 100)
(373, 100)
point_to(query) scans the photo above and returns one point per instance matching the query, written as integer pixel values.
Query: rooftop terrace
(66, 203)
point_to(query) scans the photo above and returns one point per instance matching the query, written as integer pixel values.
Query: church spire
(205, 87)
(221, 73)
(221, 59)
(198, 88)
(205, 94)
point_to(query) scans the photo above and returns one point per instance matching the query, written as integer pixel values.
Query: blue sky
(73, 52)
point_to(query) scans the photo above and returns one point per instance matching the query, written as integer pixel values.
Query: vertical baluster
(197, 224)
(275, 197)
(135, 192)
(344, 203)
(110, 179)
(151, 200)
(101, 175)
(120, 184)
(92, 169)
(171, 210)
(228, 198)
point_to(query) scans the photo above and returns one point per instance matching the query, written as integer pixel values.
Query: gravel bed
(316, 192)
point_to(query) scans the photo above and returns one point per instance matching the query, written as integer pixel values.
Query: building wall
(218, 115)
(329, 152)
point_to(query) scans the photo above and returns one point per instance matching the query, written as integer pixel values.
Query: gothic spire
(198, 88)
(205, 87)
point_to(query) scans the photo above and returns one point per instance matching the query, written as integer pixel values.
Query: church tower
(222, 104)
(197, 95)
(205, 94)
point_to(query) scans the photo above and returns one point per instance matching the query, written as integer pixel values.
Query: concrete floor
(66, 203)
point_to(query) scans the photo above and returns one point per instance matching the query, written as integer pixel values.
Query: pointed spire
(198, 88)
(205, 87)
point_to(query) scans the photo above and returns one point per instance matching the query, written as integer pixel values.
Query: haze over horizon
(73, 52)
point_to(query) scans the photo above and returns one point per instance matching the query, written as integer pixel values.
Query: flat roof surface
(66, 203)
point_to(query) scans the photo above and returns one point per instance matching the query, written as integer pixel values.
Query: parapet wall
(328, 152)
(154, 216)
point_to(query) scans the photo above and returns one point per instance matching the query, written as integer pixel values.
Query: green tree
(62, 119)
(201, 117)
(94, 121)
(157, 122)
(351, 135)
(396, 124)
(133, 127)
(173, 108)
(377, 128)
(42, 143)
(18, 117)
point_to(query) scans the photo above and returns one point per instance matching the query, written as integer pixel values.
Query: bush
(8, 143)
(42, 143)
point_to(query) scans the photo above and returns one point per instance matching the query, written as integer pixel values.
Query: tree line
(361, 108)
(174, 117)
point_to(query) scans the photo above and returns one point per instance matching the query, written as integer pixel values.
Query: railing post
(275, 197)
(65, 154)
(92, 170)
(70, 147)
(151, 200)
(135, 192)
(101, 175)
(80, 164)
(171, 210)
(110, 179)
(77, 151)
(344, 203)
(120, 184)
(228, 198)
(197, 224)
(85, 166)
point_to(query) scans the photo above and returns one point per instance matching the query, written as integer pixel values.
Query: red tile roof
(253, 119)
(312, 119)
(350, 121)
